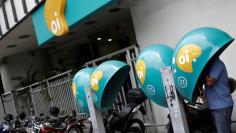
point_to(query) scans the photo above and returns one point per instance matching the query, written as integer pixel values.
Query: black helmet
(136, 96)
(54, 111)
(232, 84)
(8, 117)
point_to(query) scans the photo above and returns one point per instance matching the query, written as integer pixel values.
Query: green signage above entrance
(75, 10)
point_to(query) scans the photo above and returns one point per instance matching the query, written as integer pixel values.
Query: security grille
(56, 91)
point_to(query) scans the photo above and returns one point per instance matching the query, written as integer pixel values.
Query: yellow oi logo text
(186, 56)
(55, 17)
(95, 78)
(74, 89)
(140, 69)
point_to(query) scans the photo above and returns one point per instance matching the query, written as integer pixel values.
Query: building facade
(110, 26)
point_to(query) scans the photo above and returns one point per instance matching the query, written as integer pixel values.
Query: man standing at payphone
(218, 95)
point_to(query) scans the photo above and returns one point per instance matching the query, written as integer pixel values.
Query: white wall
(17, 65)
(166, 21)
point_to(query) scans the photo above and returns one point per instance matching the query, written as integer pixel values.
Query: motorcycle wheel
(135, 126)
(75, 130)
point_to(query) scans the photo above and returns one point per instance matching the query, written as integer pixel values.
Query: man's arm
(210, 81)
(214, 72)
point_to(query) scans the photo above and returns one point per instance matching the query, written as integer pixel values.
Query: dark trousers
(222, 119)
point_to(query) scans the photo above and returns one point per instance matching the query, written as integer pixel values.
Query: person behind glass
(218, 95)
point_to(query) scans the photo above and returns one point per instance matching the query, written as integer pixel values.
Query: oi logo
(186, 56)
(140, 69)
(55, 17)
(74, 89)
(95, 78)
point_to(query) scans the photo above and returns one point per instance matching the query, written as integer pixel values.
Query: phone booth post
(174, 102)
(95, 115)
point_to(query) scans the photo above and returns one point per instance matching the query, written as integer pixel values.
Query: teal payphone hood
(81, 81)
(148, 65)
(106, 82)
(191, 55)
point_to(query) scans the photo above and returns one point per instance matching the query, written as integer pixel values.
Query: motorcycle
(12, 126)
(198, 118)
(124, 120)
(20, 124)
(55, 124)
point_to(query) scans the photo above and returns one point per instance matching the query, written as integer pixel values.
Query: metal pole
(133, 62)
(118, 106)
(123, 94)
(175, 103)
(48, 89)
(95, 115)
(75, 104)
(74, 97)
(13, 100)
(136, 50)
(32, 98)
(3, 105)
(94, 64)
(132, 75)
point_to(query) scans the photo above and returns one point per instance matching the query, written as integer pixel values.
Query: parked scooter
(17, 125)
(20, 123)
(124, 120)
(55, 124)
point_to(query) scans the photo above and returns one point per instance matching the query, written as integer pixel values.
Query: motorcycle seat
(127, 110)
(119, 119)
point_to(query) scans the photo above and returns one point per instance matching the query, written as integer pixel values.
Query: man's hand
(210, 81)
